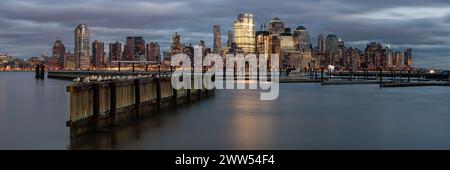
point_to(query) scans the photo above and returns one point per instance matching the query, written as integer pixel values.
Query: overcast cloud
(28, 28)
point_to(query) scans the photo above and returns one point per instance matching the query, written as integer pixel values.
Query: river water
(305, 116)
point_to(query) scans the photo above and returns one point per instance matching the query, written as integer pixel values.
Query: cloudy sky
(29, 27)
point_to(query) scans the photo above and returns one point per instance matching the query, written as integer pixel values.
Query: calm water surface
(306, 116)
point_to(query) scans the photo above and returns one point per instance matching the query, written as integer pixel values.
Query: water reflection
(305, 116)
(251, 128)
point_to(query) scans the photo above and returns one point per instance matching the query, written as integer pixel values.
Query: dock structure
(101, 105)
(415, 84)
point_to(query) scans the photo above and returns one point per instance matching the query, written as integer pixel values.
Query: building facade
(217, 44)
(115, 51)
(134, 49)
(81, 34)
(244, 32)
(98, 54)
(153, 52)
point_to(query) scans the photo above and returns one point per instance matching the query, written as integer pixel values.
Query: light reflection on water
(306, 116)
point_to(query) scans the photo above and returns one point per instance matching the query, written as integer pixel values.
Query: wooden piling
(409, 75)
(381, 76)
(42, 73)
(137, 96)
(158, 93)
(174, 97)
(321, 74)
(113, 103)
(351, 74)
(188, 94)
(95, 105)
(38, 70)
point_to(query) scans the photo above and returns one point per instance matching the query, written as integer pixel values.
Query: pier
(98, 106)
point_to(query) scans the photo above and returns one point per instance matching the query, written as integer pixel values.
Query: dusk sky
(29, 28)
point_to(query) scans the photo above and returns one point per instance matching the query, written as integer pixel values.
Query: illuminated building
(217, 46)
(175, 47)
(230, 39)
(398, 59)
(115, 51)
(81, 34)
(134, 49)
(244, 33)
(408, 56)
(263, 43)
(373, 55)
(276, 26)
(320, 44)
(302, 39)
(58, 54)
(153, 52)
(98, 54)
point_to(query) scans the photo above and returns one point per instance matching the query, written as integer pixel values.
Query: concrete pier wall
(92, 104)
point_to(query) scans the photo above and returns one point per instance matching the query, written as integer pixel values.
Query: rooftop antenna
(265, 22)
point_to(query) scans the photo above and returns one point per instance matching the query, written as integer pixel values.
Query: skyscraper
(286, 40)
(320, 44)
(244, 32)
(332, 49)
(58, 48)
(58, 53)
(98, 54)
(398, 59)
(276, 26)
(388, 57)
(263, 45)
(115, 51)
(81, 34)
(408, 56)
(175, 47)
(331, 43)
(153, 52)
(217, 46)
(230, 39)
(134, 49)
(302, 39)
(373, 55)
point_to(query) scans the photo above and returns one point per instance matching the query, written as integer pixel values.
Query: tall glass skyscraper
(302, 39)
(244, 32)
(217, 46)
(276, 26)
(81, 34)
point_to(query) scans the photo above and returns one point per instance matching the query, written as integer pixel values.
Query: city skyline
(35, 34)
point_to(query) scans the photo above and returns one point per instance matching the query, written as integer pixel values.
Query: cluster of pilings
(40, 71)
(101, 105)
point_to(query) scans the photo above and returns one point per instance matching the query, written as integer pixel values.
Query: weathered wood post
(137, 96)
(366, 74)
(133, 67)
(95, 105)
(119, 66)
(351, 74)
(112, 103)
(174, 96)
(158, 93)
(188, 94)
(329, 73)
(315, 73)
(38, 70)
(42, 73)
(321, 74)
(381, 76)
(409, 75)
